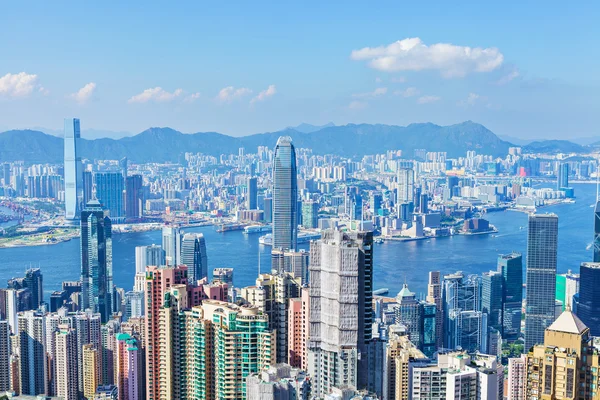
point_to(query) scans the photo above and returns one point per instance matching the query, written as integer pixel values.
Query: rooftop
(569, 323)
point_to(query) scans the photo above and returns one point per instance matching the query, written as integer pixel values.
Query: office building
(67, 386)
(341, 311)
(278, 382)
(597, 231)
(252, 195)
(542, 245)
(434, 296)
(4, 356)
(517, 375)
(90, 369)
(294, 262)
(419, 319)
(88, 187)
(73, 169)
(33, 281)
(109, 192)
(33, 371)
(375, 201)
(492, 291)
(171, 244)
(465, 326)
(193, 254)
(511, 268)
(566, 364)
(588, 305)
(134, 197)
(148, 255)
(96, 261)
(562, 180)
(285, 195)
(310, 214)
(567, 286)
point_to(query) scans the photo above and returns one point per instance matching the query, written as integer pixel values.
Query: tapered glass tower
(73, 170)
(285, 195)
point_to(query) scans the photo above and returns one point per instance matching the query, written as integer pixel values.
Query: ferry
(230, 227)
(257, 229)
(305, 237)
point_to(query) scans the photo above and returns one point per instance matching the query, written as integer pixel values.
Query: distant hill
(308, 128)
(166, 144)
(554, 146)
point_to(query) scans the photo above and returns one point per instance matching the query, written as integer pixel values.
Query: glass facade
(193, 254)
(109, 191)
(73, 170)
(285, 195)
(542, 244)
(588, 307)
(511, 268)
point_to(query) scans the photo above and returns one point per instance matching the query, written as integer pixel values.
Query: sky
(523, 69)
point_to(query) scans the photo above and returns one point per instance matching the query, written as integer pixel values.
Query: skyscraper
(193, 254)
(597, 231)
(252, 193)
(33, 371)
(406, 185)
(588, 306)
(73, 170)
(310, 214)
(171, 244)
(511, 268)
(341, 310)
(434, 296)
(563, 176)
(33, 281)
(109, 191)
(567, 286)
(542, 244)
(90, 370)
(492, 286)
(134, 196)
(285, 195)
(96, 261)
(148, 255)
(66, 363)
(4, 356)
(127, 367)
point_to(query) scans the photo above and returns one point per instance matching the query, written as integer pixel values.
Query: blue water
(395, 262)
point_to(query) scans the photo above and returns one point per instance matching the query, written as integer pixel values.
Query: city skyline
(513, 80)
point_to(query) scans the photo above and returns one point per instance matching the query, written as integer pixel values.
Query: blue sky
(245, 67)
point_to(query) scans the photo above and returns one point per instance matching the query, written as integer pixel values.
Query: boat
(304, 237)
(230, 227)
(379, 240)
(257, 229)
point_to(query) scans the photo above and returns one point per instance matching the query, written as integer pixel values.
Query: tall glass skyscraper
(96, 261)
(193, 254)
(285, 195)
(588, 306)
(542, 244)
(171, 244)
(73, 170)
(109, 191)
(511, 268)
(597, 231)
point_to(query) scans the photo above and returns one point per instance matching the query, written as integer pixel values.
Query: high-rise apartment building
(285, 195)
(134, 197)
(588, 306)
(224, 275)
(73, 169)
(96, 261)
(193, 255)
(109, 191)
(298, 317)
(127, 367)
(517, 375)
(67, 384)
(171, 244)
(400, 355)
(566, 364)
(341, 311)
(4, 356)
(511, 268)
(33, 371)
(406, 185)
(33, 281)
(542, 245)
(294, 262)
(90, 370)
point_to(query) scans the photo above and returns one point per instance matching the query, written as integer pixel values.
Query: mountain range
(352, 140)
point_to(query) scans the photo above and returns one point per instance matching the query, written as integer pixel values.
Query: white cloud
(157, 94)
(375, 93)
(412, 54)
(18, 85)
(398, 79)
(84, 94)
(263, 95)
(473, 99)
(408, 92)
(428, 99)
(43, 91)
(509, 77)
(190, 98)
(229, 93)
(378, 80)
(357, 105)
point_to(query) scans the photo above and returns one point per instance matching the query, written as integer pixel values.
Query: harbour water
(395, 262)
